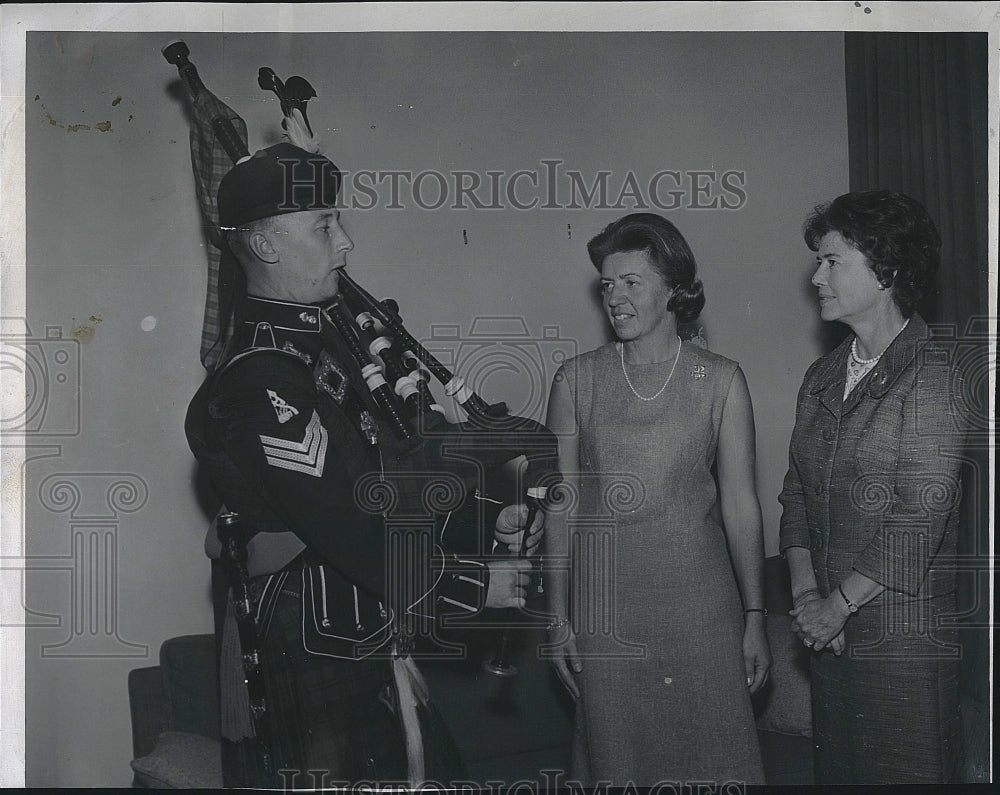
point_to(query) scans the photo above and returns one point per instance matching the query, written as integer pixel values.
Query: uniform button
(819, 488)
(667, 680)
(829, 434)
(818, 543)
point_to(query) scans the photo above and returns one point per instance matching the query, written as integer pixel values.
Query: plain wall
(113, 240)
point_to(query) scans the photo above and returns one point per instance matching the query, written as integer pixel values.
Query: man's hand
(510, 525)
(508, 582)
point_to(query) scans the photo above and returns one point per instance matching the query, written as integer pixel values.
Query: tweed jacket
(873, 480)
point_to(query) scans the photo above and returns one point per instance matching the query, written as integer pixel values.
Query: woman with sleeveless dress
(654, 635)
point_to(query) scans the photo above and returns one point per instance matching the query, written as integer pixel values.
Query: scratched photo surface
(477, 166)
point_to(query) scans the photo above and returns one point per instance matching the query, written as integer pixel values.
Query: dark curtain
(917, 123)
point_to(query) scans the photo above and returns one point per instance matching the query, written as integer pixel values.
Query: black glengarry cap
(279, 179)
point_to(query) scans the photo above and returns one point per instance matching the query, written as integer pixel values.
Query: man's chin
(325, 296)
(332, 287)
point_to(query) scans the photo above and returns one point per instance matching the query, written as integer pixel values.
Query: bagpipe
(431, 453)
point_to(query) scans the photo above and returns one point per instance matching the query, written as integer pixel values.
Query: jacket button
(829, 434)
(818, 543)
(819, 488)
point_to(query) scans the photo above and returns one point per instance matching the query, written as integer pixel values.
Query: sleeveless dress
(655, 602)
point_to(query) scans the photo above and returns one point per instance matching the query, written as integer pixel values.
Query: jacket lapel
(896, 358)
(828, 380)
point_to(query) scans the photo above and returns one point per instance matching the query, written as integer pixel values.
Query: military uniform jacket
(873, 480)
(280, 429)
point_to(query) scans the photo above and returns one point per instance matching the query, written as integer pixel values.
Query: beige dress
(664, 696)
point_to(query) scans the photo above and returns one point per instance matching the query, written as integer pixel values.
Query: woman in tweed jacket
(871, 503)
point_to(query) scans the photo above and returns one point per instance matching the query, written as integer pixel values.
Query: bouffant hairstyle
(668, 252)
(893, 231)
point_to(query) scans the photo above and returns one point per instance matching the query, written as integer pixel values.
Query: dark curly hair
(668, 252)
(893, 231)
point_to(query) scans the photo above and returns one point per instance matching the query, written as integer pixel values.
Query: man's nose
(343, 242)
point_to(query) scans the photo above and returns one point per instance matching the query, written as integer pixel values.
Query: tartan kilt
(334, 722)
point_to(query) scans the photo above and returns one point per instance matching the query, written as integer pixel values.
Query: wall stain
(115, 101)
(103, 126)
(85, 332)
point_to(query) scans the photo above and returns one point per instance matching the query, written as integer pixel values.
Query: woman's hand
(756, 652)
(567, 661)
(819, 622)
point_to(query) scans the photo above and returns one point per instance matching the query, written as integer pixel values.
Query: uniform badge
(289, 348)
(284, 411)
(307, 456)
(330, 378)
(699, 371)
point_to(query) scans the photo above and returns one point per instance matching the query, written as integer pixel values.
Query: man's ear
(262, 248)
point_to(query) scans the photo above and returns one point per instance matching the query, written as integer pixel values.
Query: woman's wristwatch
(850, 605)
(559, 623)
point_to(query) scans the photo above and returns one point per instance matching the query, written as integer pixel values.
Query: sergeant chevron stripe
(307, 456)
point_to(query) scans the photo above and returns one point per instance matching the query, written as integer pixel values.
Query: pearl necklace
(859, 360)
(621, 349)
